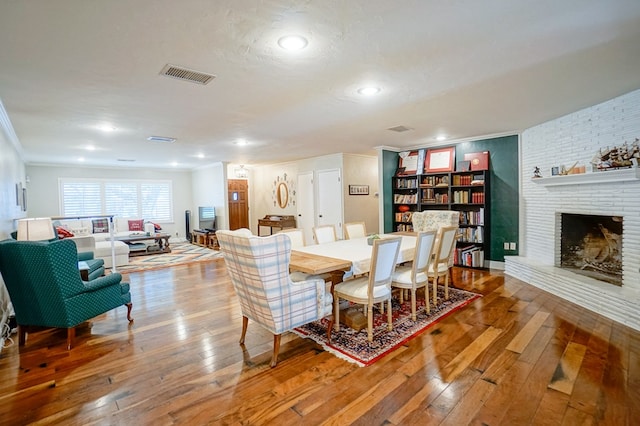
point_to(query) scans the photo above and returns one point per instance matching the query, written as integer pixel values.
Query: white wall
(361, 170)
(578, 137)
(12, 171)
(44, 193)
(356, 169)
(210, 189)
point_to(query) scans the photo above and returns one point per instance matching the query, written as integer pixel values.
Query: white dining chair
(440, 265)
(296, 235)
(355, 230)
(324, 234)
(415, 276)
(374, 288)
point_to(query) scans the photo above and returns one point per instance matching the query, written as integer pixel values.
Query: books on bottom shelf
(472, 256)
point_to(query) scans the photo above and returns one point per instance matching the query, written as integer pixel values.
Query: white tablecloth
(359, 252)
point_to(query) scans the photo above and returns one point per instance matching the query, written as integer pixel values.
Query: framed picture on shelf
(358, 189)
(479, 160)
(409, 161)
(440, 160)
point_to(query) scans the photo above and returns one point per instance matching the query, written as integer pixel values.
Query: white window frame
(104, 182)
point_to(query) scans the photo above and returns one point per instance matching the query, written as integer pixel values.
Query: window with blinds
(150, 200)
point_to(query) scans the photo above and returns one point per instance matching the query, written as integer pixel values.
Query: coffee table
(137, 247)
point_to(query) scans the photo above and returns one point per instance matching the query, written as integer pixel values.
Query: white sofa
(90, 237)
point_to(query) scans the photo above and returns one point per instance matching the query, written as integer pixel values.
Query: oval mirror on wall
(282, 195)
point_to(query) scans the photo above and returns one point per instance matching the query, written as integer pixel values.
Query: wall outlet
(506, 246)
(512, 246)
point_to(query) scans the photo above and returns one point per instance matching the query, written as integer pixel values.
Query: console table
(277, 221)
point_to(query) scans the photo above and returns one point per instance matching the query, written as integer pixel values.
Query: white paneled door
(306, 205)
(329, 199)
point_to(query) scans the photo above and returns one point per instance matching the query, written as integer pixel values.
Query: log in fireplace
(591, 245)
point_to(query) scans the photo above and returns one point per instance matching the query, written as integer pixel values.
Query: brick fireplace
(613, 194)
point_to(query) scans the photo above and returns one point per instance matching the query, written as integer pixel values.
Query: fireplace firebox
(591, 245)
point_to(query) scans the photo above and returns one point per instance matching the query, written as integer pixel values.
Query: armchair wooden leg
(71, 335)
(276, 349)
(129, 306)
(245, 322)
(22, 335)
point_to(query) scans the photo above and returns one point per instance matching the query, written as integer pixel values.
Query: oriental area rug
(354, 346)
(181, 254)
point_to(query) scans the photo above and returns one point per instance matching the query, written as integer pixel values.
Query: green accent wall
(503, 190)
(389, 166)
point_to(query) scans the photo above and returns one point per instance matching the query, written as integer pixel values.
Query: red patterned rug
(354, 346)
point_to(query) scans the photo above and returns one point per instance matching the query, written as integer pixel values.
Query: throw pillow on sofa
(63, 233)
(136, 225)
(100, 225)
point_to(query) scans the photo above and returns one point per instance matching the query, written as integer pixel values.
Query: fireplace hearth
(591, 245)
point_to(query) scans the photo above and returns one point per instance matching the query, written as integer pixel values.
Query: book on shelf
(471, 256)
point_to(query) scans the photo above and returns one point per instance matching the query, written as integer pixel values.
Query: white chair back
(447, 241)
(424, 251)
(355, 230)
(383, 261)
(324, 234)
(296, 235)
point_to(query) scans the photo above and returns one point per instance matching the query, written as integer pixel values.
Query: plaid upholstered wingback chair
(46, 290)
(433, 220)
(259, 271)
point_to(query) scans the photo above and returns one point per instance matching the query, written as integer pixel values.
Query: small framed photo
(358, 189)
(440, 160)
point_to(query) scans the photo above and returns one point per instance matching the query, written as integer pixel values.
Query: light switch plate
(506, 246)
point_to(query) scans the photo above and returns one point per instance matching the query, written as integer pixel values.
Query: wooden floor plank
(567, 370)
(180, 363)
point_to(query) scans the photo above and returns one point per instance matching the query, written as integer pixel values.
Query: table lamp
(35, 229)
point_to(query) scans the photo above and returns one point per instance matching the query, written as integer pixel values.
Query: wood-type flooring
(516, 356)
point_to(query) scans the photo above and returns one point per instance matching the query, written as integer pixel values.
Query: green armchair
(46, 289)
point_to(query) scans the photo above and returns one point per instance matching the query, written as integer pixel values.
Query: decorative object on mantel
(536, 172)
(618, 157)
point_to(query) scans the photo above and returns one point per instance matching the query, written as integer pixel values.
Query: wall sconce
(241, 172)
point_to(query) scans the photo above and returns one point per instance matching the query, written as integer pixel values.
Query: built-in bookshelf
(465, 192)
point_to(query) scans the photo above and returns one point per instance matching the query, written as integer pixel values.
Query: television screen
(207, 218)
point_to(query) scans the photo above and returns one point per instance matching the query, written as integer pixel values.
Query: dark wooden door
(238, 194)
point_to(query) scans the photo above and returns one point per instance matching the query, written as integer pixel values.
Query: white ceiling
(462, 68)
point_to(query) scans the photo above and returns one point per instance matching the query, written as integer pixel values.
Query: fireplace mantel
(590, 178)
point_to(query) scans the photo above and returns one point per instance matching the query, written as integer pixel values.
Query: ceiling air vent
(400, 129)
(186, 74)
(126, 160)
(161, 139)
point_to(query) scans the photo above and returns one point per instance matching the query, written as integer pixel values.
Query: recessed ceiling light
(368, 91)
(241, 142)
(292, 42)
(91, 148)
(201, 155)
(107, 128)
(174, 164)
(81, 159)
(441, 138)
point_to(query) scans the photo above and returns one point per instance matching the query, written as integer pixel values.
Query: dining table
(355, 251)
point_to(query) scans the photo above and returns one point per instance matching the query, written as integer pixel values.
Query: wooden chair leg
(427, 302)
(129, 306)
(370, 322)
(389, 315)
(22, 335)
(71, 334)
(276, 349)
(245, 322)
(435, 290)
(336, 312)
(413, 304)
(446, 286)
(329, 328)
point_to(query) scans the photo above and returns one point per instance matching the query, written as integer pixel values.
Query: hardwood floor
(516, 356)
